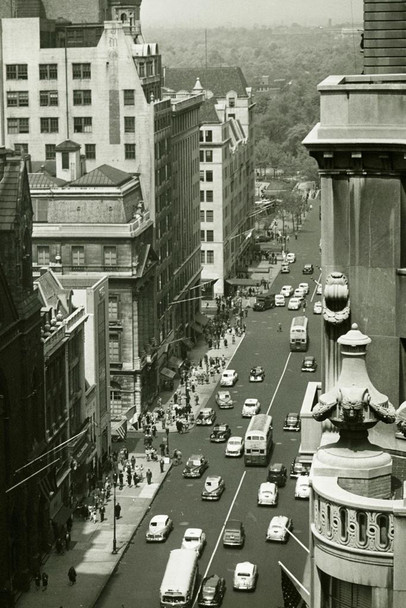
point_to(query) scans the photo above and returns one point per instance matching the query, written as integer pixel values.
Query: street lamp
(114, 514)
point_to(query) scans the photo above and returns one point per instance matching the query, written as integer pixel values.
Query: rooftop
(218, 80)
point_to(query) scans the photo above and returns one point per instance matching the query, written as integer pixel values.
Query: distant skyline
(248, 13)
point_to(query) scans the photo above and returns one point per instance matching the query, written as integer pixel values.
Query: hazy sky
(237, 13)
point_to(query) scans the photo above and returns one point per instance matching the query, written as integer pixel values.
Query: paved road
(138, 577)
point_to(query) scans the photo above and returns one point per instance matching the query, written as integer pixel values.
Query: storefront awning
(119, 428)
(175, 362)
(242, 282)
(201, 319)
(188, 343)
(197, 328)
(168, 373)
(130, 412)
(62, 516)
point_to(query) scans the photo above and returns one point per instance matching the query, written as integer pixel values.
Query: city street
(137, 579)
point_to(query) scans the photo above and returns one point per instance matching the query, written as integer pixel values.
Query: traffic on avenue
(137, 578)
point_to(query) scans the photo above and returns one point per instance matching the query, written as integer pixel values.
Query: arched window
(383, 526)
(123, 17)
(343, 524)
(362, 528)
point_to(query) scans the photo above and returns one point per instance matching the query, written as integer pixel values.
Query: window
(209, 196)
(82, 124)
(210, 256)
(231, 115)
(110, 256)
(43, 254)
(141, 70)
(129, 97)
(202, 256)
(231, 102)
(17, 99)
(78, 255)
(65, 160)
(90, 151)
(362, 528)
(82, 97)
(202, 196)
(201, 215)
(49, 125)
(129, 151)
(18, 125)
(210, 216)
(201, 136)
(202, 235)
(129, 124)
(208, 136)
(201, 156)
(210, 236)
(17, 71)
(383, 524)
(202, 176)
(209, 176)
(21, 148)
(113, 308)
(209, 156)
(48, 98)
(49, 151)
(114, 348)
(81, 70)
(48, 71)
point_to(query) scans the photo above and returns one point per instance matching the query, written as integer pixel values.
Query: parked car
(234, 533)
(280, 300)
(294, 304)
(319, 289)
(245, 576)
(299, 293)
(309, 364)
(224, 400)
(292, 422)
(264, 302)
(257, 374)
(317, 308)
(220, 433)
(235, 447)
(250, 408)
(268, 494)
(229, 377)
(195, 466)
(214, 486)
(287, 291)
(194, 538)
(299, 465)
(278, 473)
(212, 591)
(285, 268)
(206, 417)
(278, 529)
(291, 257)
(159, 529)
(305, 287)
(302, 488)
(308, 269)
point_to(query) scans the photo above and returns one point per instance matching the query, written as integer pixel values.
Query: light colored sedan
(194, 538)
(159, 529)
(245, 576)
(287, 291)
(302, 489)
(234, 447)
(278, 529)
(268, 494)
(294, 304)
(317, 308)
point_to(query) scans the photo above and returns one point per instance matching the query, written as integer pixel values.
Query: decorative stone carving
(336, 298)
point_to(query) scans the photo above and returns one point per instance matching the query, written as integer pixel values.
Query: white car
(278, 529)
(194, 538)
(319, 289)
(268, 494)
(299, 293)
(291, 257)
(317, 308)
(302, 488)
(234, 447)
(245, 576)
(279, 300)
(250, 408)
(159, 529)
(305, 287)
(229, 377)
(285, 268)
(287, 291)
(294, 304)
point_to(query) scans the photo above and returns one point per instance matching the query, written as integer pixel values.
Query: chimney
(384, 37)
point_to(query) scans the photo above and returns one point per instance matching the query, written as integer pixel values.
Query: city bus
(258, 440)
(178, 583)
(299, 337)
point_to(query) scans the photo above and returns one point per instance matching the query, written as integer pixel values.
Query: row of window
(207, 257)
(47, 71)
(81, 97)
(78, 255)
(207, 236)
(207, 216)
(81, 124)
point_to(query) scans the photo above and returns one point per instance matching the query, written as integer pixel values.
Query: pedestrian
(196, 399)
(69, 523)
(153, 430)
(117, 510)
(129, 479)
(102, 511)
(295, 236)
(279, 326)
(37, 579)
(121, 478)
(162, 448)
(59, 546)
(94, 515)
(72, 575)
(67, 540)
(149, 476)
(161, 465)
(225, 343)
(44, 581)
(133, 462)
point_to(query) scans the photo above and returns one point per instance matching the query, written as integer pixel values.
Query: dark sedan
(308, 269)
(220, 434)
(195, 466)
(309, 364)
(212, 591)
(292, 422)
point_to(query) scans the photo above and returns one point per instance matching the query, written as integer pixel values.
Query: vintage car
(220, 433)
(159, 529)
(234, 447)
(280, 300)
(194, 538)
(302, 488)
(278, 529)
(224, 400)
(285, 268)
(291, 257)
(195, 466)
(309, 364)
(299, 466)
(250, 408)
(277, 473)
(308, 269)
(245, 576)
(206, 417)
(292, 422)
(212, 591)
(317, 308)
(234, 533)
(257, 374)
(287, 291)
(229, 377)
(214, 486)
(268, 494)
(294, 304)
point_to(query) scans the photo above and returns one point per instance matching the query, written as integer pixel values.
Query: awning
(119, 428)
(188, 343)
(130, 412)
(62, 516)
(243, 282)
(175, 361)
(201, 319)
(168, 373)
(197, 328)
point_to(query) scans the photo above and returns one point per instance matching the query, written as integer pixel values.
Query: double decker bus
(258, 440)
(299, 337)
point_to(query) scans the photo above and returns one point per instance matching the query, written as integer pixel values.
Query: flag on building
(291, 595)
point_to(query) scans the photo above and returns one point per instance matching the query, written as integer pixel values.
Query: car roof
(279, 520)
(159, 518)
(233, 523)
(236, 437)
(196, 532)
(277, 466)
(295, 414)
(211, 580)
(251, 401)
(221, 393)
(309, 358)
(244, 566)
(267, 485)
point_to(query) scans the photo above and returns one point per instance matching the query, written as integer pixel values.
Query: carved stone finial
(336, 298)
